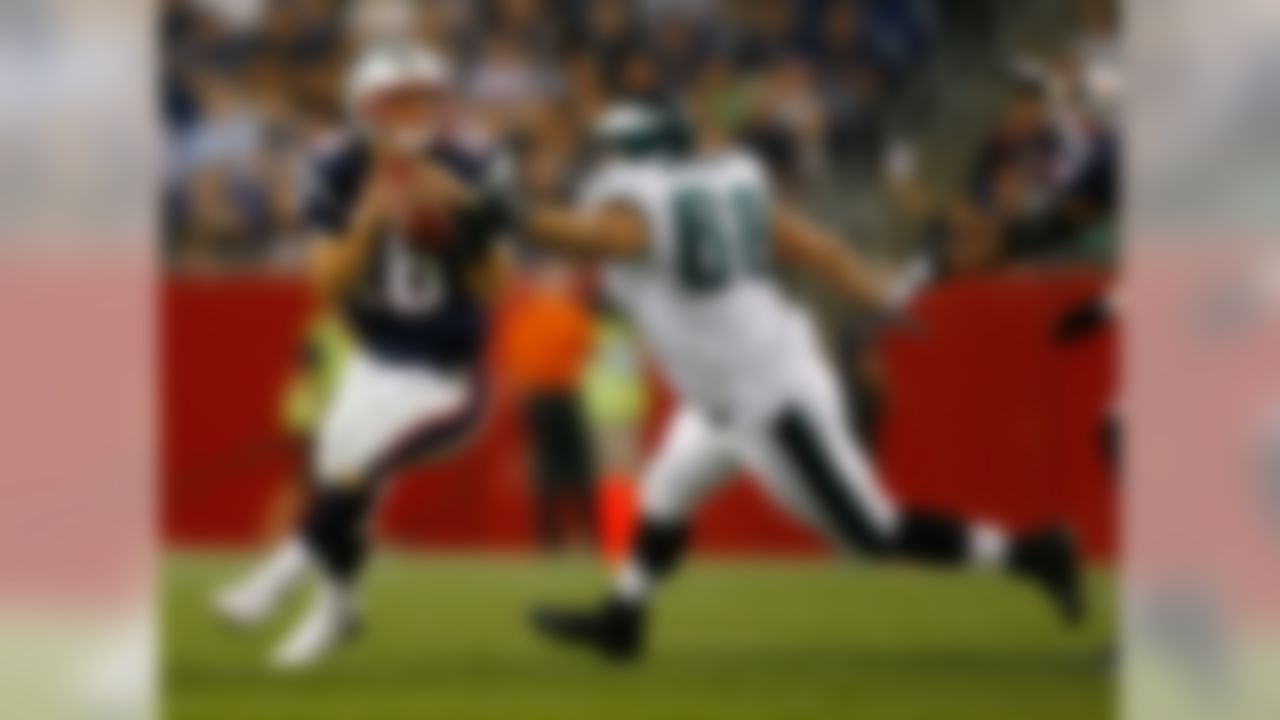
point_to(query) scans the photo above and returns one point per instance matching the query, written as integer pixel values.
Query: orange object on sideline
(545, 340)
(618, 515)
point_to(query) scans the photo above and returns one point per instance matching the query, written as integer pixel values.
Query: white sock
(633, 584)
(988, 546)
(282, 569)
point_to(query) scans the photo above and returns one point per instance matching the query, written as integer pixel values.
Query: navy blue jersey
(413, 303)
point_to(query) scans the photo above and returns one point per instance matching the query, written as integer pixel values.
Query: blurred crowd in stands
(252, 87)
(1044, 180)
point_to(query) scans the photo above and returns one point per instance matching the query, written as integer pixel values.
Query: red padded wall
(988, 418)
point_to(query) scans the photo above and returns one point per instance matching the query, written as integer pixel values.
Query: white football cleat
(243, 607)
(331, 623)
(253, 601)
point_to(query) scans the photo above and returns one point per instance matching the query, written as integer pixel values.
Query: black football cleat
(615, 630)
(1051, 561)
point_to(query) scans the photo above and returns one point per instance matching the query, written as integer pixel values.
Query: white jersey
(704, 296)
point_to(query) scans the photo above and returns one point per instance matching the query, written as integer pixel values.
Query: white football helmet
(389, 67)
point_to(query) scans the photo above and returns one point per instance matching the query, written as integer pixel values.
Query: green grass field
(447, 639)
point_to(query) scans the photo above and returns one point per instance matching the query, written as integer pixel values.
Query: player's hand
(400, 185)
(545, 174)
(429, 181)
(380, 200)
(524, 178)
(421, 179)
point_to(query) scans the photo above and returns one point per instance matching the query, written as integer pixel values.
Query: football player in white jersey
(690, 236)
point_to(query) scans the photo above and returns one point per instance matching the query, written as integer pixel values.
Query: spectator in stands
(533, 25)
(794, 79)
(769, 32)
(585, 87)
(1043, 187)
(787, 122)
(547, 341)
(442, 23)
(616, 395)
(852, 74)
(1099, 74)
(1015, 164)
(639, 74)
(508, 80)
(902, 31)
(682, 44)
(1048, 175)
(609, 31)
(724, 96)
(220, 155)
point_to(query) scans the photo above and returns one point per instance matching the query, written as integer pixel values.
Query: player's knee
(663, 507)
(668, 497)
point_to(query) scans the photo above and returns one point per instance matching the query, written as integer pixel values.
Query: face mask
(405, 138)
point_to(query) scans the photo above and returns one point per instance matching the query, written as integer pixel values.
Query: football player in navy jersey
(406, 251)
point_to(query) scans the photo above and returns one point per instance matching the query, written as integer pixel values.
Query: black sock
(657, 552)
(660, 547)
(334, 531)
(932, 539)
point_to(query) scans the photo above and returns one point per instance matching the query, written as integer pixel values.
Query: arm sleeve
(634, 189)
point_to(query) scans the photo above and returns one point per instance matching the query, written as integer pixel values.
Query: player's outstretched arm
(822, 254)
(531, 186)
(612, 231)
